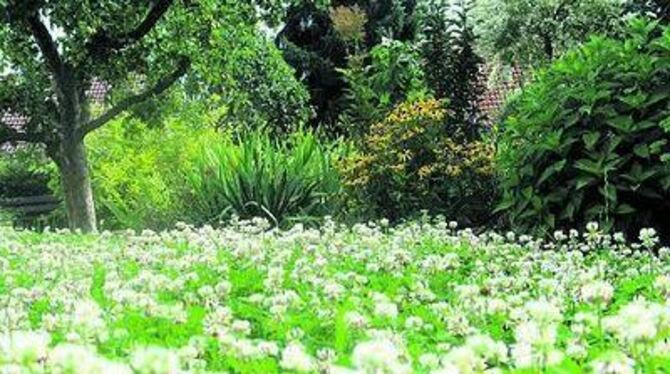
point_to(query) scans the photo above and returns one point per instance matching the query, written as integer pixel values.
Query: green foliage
(23, 172)
(135, 169)
(313, 45)
(408, 163)
(52, 51)
(533, 32)
(586, 141)
(452, 67)
(255, 83)
(392, 75)
(258, 176)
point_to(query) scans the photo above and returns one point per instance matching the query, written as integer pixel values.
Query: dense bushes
(135, 169)
(588, 139)
(22, 172)
(256, 85)
(260, 177)
(188, 171)
(408, 162)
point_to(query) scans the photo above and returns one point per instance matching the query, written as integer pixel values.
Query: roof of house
(97, 93)
(496, 92)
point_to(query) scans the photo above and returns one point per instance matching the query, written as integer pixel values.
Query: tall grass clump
(255, 175)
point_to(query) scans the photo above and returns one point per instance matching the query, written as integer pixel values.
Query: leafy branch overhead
(66, 57)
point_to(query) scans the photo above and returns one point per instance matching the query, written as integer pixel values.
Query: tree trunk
(76, 183)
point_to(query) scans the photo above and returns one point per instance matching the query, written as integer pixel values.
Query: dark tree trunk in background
(548, 47)
(76, 183)
(70, 155)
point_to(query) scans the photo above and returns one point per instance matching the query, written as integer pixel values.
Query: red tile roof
(495, 94)
(97, 93)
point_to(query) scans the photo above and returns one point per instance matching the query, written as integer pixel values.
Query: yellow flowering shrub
(408, 162)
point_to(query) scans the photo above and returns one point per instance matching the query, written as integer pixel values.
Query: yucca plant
(256, 176)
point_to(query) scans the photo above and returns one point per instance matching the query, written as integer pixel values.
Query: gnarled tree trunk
(76, 183)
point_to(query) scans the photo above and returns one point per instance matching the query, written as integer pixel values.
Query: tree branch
(160, 86)
(102, 44)
(46, 44)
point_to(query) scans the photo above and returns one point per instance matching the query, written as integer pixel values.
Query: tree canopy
(51, 52)
(532, 32)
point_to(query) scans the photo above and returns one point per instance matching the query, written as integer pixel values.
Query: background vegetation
(363, 109)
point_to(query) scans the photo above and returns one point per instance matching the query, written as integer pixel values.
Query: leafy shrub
(135, 169)
(586, 141)
(392, 75)
(257, 86)
(408, 162)
(260, 177)
(23, 172)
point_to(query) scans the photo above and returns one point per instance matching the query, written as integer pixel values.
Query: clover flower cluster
(423, 297)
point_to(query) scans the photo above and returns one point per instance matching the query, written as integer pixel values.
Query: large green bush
(257, 176)
(588, 139)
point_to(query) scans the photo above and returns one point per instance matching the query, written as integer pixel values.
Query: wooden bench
(26, 210)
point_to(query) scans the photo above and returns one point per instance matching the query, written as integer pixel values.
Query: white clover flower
(87, 316)
(592, 227)
(222, 289)
(333, 290)
(559, 236)
(155, 360)
(294, 357)
(68, 358)
(429, 361)
(241, 327)
(379, 356)
(326, 355)
(662, 284)
(355, 320)
(597, 292)
(576, 350)
(268, 348)
(496, 305)
(638, 321)
(613, 363)
(543, 311)
(386, 309)
(648, 237)
(24, 347)
(490, 350)
(414, 323)
(464, 359)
